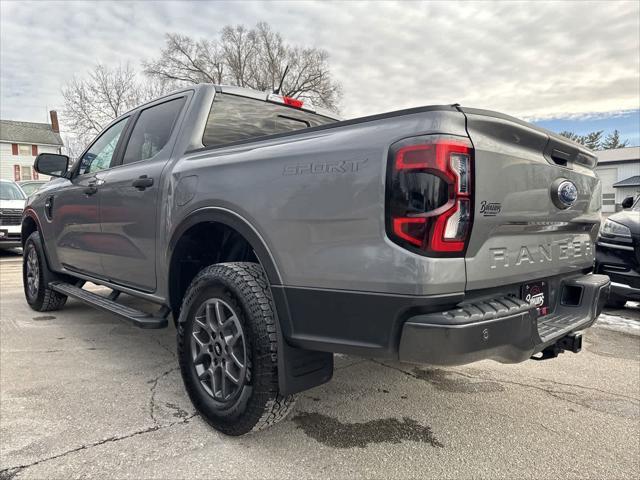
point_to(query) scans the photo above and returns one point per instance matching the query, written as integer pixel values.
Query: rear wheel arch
(294, 364)
(224, 228)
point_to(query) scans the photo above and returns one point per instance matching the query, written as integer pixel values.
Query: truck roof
(251, 93)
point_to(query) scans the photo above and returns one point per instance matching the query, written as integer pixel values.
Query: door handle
(142, 182)
(92, 186)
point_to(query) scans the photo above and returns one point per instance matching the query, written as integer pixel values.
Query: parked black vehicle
(618, 252)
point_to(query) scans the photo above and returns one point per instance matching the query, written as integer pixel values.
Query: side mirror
(52, 164)
(627, 202)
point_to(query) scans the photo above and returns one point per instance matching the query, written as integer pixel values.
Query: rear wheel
(35, 275)
(228, 350)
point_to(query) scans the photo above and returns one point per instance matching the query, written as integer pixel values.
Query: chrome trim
(612, 245)
(615, 268)
(625, 290)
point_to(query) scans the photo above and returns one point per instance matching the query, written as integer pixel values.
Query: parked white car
(12, 200)
(30, 186)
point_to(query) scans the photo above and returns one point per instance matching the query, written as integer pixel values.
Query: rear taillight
(429, 194)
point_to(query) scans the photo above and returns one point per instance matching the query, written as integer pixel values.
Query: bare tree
(239, 49)
(184, 60)
(248, 57)
(309, 78)
(103, 95)
(271, 59)
(73, 145)
(254, 58)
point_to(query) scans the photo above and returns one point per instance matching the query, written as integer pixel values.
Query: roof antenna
(277, 90)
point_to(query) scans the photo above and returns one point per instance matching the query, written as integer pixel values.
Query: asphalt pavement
(84, 395)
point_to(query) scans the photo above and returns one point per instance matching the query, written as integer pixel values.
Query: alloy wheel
(33, 271)
(218, 350)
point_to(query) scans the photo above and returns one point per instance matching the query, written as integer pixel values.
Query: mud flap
(299, 369)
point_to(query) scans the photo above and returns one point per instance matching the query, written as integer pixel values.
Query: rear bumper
(505, 329)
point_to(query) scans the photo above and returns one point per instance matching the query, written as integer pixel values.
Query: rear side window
(233, 118)
(152, 131)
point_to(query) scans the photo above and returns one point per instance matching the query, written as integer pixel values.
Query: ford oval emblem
(567, 193)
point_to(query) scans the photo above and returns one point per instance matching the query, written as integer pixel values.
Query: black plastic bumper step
(557, 326)
(581, 301)
(137, 317)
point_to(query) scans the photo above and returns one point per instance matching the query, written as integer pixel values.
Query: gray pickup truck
(276, 235)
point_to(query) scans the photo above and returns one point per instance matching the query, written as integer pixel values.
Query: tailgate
(523, 228)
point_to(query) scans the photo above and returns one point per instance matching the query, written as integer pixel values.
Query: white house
(619, 171)
(21, 142)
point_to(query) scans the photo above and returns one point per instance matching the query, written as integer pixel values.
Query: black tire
(616, 302)
(236, 295)
(35, 277)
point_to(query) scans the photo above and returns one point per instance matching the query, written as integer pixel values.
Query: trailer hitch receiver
(571, 342)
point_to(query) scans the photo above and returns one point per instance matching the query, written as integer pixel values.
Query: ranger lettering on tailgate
(547, 252)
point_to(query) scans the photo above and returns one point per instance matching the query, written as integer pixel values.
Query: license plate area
(537, 295)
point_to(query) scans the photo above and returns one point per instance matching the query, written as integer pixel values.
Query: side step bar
(136, 317)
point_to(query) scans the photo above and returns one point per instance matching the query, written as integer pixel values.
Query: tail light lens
(293, 102)
(290, 101)
(429, 194)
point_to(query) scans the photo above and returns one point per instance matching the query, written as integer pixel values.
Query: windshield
(636, 206)
(10, 191)
(29, 188)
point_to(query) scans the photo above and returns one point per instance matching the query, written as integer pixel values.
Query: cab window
(99, 156)
(152, 130)
(234, 118)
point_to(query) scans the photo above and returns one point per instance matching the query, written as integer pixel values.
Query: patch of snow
(618, 323)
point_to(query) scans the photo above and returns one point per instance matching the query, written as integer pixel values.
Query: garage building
(619, 171)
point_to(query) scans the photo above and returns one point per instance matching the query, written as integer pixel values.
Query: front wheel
(228, 349)
(34, 267)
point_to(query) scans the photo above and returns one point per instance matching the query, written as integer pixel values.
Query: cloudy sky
(573, 60)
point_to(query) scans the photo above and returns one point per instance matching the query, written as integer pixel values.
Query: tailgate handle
(560, 157)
